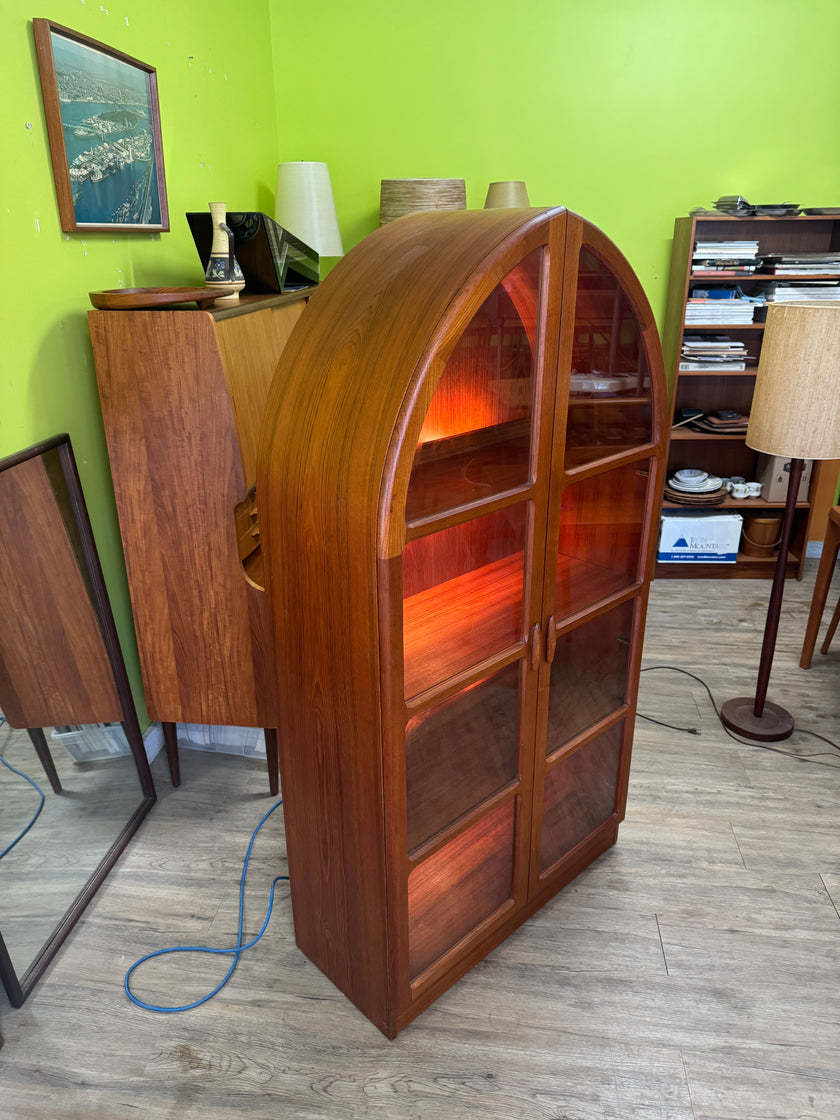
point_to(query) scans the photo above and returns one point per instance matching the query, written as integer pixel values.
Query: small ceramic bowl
(689, 477)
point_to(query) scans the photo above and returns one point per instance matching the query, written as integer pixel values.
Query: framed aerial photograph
(103, 124)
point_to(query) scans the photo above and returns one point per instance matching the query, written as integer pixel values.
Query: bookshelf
(721, 453)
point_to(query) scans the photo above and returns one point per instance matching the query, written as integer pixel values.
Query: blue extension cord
(37, 789)
(235, 951)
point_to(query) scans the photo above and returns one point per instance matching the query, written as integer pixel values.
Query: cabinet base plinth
(773, 724)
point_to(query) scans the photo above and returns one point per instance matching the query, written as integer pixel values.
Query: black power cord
(737, 738)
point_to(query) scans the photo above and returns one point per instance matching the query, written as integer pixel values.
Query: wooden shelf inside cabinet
(440, 554)
(704, 437)
(729, 328)
(717, 373)
(440, 634)
(714, 390)
(756, 505)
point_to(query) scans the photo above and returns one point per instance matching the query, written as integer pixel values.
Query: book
(712, 367)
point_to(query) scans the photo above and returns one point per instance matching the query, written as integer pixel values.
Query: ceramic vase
(223, 270)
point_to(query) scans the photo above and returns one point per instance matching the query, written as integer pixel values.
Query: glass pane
(476, 436)
(579, 795)
(610, 394)
(460, 886)
(462, 596)
(600, 537)
(590, 666)
(460, 752)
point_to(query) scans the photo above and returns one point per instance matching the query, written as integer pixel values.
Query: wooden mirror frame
(17, 987)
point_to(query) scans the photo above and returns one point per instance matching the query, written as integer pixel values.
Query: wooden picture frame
(103, 125)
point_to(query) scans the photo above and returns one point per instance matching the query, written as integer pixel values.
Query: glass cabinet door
(476, 438)
(601, 507)
(589, 674)
(459, 752)
(466, 584)
(610, 404)
(599, 540)
(463, 596)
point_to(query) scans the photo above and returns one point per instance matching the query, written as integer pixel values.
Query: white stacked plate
(703, 486)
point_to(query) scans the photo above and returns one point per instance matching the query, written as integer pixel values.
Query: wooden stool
(831, 546)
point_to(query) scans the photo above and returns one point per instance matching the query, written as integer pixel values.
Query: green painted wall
(218, 122)
(630, 112)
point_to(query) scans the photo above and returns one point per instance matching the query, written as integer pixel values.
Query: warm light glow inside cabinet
(457, 537)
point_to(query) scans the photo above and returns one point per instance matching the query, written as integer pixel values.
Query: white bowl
(689, 477)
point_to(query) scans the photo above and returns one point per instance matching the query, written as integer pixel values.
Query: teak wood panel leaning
(446, 521)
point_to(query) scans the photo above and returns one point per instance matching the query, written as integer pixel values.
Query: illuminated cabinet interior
(458, 481)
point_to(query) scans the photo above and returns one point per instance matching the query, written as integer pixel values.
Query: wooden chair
(831, 547)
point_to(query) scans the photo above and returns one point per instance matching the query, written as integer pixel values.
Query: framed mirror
(75, 781)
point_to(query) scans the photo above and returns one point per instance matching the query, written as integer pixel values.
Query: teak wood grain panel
(250, 346)
(181, 397)
(51, 622)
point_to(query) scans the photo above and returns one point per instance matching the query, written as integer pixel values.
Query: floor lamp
(795, 414)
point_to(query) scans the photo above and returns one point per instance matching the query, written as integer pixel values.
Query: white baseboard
(153, 741)
(248, 741)
(813, 550)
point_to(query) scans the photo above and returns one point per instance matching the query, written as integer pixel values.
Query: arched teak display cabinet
(459, 473)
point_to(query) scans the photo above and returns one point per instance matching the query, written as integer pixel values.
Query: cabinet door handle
(550, 640)
(534, 651)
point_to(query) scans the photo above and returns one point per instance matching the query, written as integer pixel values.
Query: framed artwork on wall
(103, 125)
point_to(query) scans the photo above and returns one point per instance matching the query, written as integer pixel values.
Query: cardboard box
(773, 472)
(699, 537)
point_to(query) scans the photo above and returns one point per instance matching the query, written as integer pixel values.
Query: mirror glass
(74, 780)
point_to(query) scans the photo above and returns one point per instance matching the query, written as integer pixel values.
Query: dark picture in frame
(103, 124)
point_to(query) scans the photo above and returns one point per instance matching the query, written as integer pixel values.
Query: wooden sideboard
(183, 392)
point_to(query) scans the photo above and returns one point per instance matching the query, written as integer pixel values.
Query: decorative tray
(128, 299)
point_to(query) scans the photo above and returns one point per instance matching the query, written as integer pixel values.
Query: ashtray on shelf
(136, 299)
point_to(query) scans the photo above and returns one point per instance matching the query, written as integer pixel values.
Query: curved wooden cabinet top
(358, 372)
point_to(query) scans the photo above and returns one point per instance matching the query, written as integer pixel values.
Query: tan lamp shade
(796, 405)
(398, 197)
(506, 195)
(304, 205)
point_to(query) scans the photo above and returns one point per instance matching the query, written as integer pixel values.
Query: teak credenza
(458, 482)
(183, 393)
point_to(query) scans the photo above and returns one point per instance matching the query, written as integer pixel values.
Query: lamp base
(773, 724)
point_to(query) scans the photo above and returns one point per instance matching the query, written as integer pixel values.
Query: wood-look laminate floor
(693, 973)
(42, 874)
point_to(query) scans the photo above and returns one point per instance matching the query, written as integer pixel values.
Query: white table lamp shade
(796, 404)
(304, 206)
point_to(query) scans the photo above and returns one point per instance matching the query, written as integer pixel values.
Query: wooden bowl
(127, 299)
